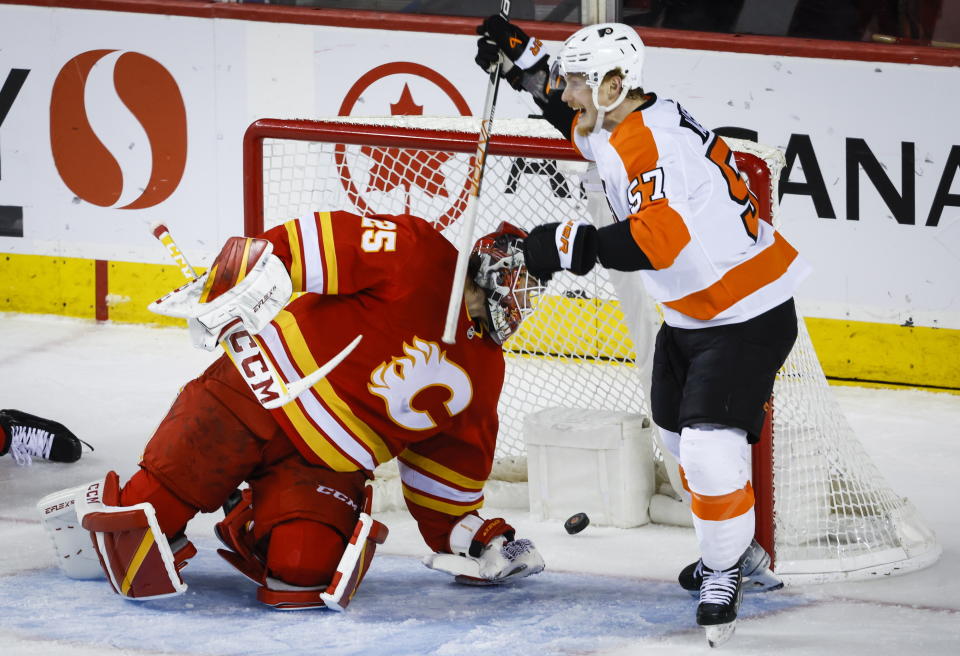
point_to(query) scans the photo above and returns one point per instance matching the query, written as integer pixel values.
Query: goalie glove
(244, 289)
(570, 245)
(525, 62)
(486, 553)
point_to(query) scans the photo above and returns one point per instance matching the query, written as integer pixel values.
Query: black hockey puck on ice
(576, 523)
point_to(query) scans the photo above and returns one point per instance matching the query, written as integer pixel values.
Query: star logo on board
(393, 179)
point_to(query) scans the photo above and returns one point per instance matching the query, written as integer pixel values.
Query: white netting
(835, 517)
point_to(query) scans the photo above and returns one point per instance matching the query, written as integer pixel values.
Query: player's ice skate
(32, 437)
(754, 567)
(720, 596)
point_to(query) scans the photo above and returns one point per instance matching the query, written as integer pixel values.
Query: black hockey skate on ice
(36, 437)
(720, 595)
(755, 569)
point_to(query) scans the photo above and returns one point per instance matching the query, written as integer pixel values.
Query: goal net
(823, 509)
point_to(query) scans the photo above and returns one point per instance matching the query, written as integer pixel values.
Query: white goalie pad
(133, 550)
(76, 556)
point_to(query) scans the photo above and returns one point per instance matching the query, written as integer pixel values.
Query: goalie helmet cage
(824, 511)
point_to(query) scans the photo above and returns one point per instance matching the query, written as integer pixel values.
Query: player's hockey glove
(570, 245)
(525, 62)
(486, 553)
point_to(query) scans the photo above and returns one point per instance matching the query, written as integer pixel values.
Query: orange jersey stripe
(739, 282)
(660, 233)
(725, 506)
(658, 229)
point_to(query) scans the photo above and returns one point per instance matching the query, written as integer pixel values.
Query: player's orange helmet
(499, 270)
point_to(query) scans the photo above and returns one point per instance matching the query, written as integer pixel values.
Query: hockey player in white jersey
(686, 219)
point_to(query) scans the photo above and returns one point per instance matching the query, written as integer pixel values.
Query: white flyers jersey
(692, 214)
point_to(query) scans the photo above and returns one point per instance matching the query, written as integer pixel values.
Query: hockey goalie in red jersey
(302, 529)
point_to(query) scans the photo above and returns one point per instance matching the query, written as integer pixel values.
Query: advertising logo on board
(393, 180)
(104, 174)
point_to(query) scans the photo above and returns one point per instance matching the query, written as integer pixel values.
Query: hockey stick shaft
(470, 213)
(255, 367)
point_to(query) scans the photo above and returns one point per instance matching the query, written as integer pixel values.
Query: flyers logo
(87, 105)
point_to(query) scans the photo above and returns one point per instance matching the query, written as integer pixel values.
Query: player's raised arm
(526, 67)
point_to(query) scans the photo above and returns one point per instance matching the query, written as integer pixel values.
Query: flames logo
(424, 365)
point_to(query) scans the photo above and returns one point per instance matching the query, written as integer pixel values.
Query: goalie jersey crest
(425, 365)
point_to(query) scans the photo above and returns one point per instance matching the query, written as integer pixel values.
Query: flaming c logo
(85, 164)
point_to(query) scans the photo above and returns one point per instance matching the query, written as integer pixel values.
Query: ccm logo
(338, 495)
(93, 493)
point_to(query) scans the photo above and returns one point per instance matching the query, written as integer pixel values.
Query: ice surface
(605, 591)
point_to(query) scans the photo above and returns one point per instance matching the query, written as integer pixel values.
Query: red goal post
(823, 510)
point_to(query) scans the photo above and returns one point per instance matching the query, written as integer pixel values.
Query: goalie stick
(265, 382)
(470, 213)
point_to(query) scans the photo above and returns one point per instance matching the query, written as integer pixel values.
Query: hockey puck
(576, 523)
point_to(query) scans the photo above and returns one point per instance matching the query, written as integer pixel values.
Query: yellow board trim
(454, 509)
(887, 353)
(329, 252)
(42, 284)
(301, 354)
(440, 471)
(132, 287)
(138, 557)
(296, 259)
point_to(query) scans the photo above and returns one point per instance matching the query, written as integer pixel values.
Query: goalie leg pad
(172, 512)
(76, 556)
(304, 553)
(353, 565)
(133, 551)
(236, 534)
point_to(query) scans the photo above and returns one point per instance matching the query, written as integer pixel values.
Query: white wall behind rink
(879, 268)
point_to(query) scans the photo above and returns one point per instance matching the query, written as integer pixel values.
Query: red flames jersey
(402, 392)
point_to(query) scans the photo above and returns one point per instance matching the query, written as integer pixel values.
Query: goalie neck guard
(497, 267)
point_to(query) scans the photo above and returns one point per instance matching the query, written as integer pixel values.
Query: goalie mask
(497, 267)
(594, 51)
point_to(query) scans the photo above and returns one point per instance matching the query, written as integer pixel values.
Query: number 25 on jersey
(380, 235)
